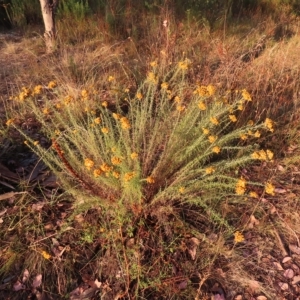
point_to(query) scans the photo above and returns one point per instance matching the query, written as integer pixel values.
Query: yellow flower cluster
(52, 84)
(253, 195)
(150, 179)
(24, 94)
(134, 155)
(184, 65)
(212, 138)
(37, 90)
(68, 99)
(246, 96)
(84, 94)
(202, 105)
(263, 155)
(270, 189)
(128, 176)
(240, 187)
(269, 124)
(232, 118)
(180, 108)
(125, 124)
(97, 120)
(116, 160)
(205, 91)
(110, 78)
(88, 163)
(152, 78)
(9, 122)
(238, 237)
(210, 170)
(214, 120)
(205, 130)
(164, 85)
(105, 130)
(181, 190)
(139, 96)
(216, 149)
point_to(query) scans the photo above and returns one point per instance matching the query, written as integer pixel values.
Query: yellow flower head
(250, 123)
(97, 173)
(35, 143)
(214, 120)
(246, 96)
(210, 90)
(37, 90)
(243, 137)
(97, 120)
(164, 85)
(128, 176)
(105, 130)
(205, 130)
(202, 105)
(181, 190)
(269, 124)
(270, 189)
(253, 195)
(232, 118)
(183, 65)
(177, 99)
(46, 111)
(238, 237)
(180, 108)
(134, 155)
(116, 174)
(84, 94)
(210, 170)
(125, 124)
(88, 163)
(153, 64)
(68, 99)
(52, 84)
(139, 96)
(201, 91)
(257, 134)
(240, 187)
(240, 107)
(216, 149)
(111, 78)
(212, 138)
(150, 179)
(116, 160)
(151, 78)
(104, 104)
(116, 116)
(45, 254)
(105, 167)
(9, 122)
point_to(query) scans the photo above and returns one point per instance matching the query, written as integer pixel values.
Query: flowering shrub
(174, 142)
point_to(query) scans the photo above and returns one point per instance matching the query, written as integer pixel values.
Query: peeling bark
(48, 9)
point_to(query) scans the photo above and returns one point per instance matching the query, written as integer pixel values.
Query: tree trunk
(48, 10)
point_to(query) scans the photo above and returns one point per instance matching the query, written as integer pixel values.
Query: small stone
(288, 273)
(283, 285)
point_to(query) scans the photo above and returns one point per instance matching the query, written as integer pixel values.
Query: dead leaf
(38, 206)
(278, 266)
(25, 275)
(280, 191)
(18, 286)
(261, 298)
(253, 222)
(288, 273)
(283, 285)
(10, 195)
(192, 247)
(254, 286)
(37, 281)
(3, 212)
(294, 249)
(238, 297)
(296, 279)
(280, 168)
